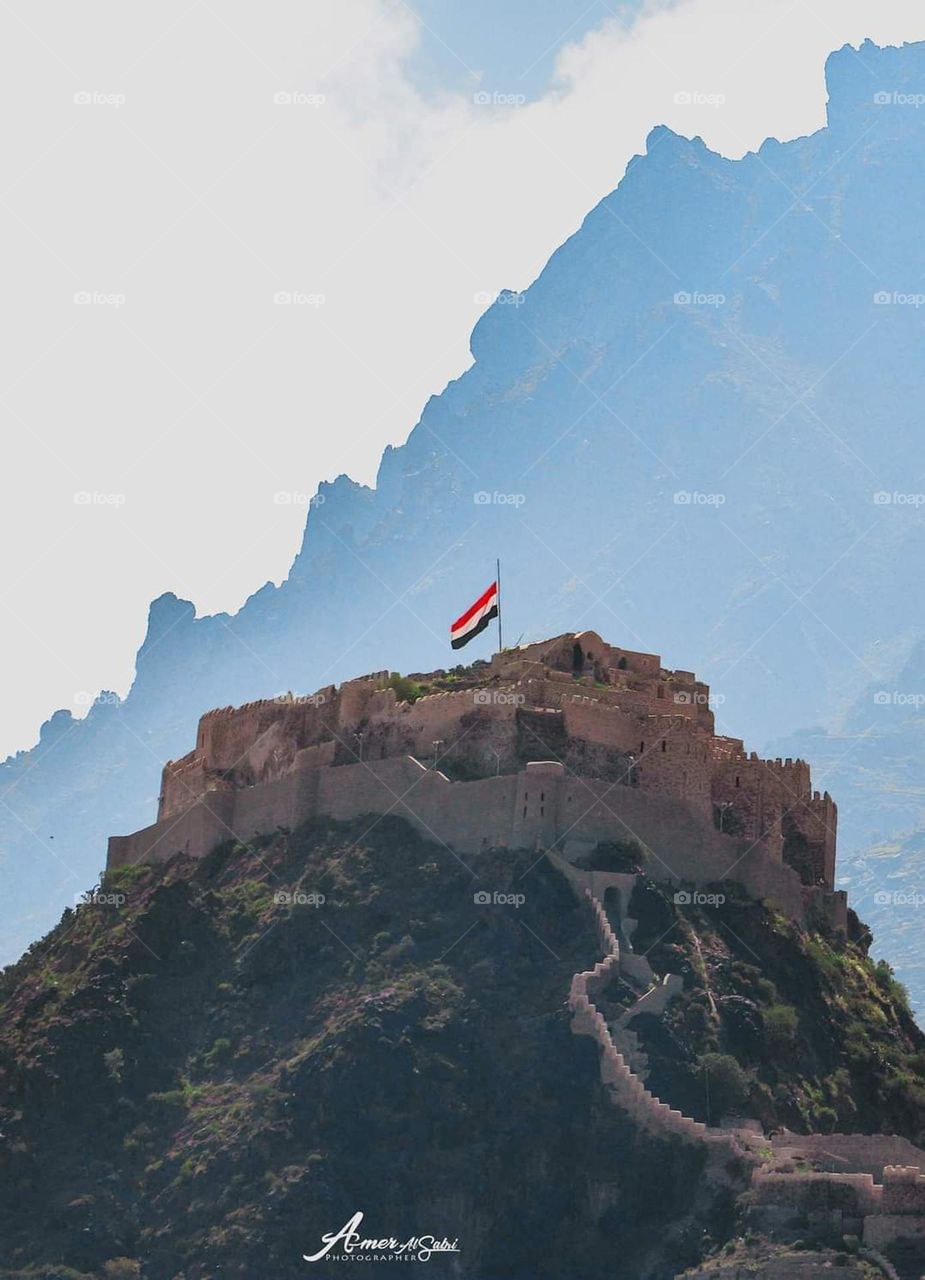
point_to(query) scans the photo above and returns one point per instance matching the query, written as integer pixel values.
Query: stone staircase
(655, 1000)
(624, 1084)
(628, 1046)
(882, 1211)
(624, 1087)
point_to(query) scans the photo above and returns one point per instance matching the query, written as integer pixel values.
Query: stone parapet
(628, 747)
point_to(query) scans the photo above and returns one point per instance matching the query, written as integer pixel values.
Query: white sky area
(148, 166)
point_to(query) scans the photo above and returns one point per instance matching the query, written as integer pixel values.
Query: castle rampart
(870, 1196)
(570, 741)
(850, 1203)
(560, 747)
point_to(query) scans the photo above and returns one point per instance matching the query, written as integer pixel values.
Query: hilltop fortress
(562, 745)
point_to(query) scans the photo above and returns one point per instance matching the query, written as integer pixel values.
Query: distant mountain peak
(863, 80)
(675, 434)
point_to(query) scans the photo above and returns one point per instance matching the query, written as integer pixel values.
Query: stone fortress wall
(868, 1186)
(880, 1213)
(560, 746)
(564, 743)
(624, 1087)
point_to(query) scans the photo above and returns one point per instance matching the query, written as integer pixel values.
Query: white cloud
(181, 186)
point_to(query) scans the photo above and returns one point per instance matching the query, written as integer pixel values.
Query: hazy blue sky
(511, 46)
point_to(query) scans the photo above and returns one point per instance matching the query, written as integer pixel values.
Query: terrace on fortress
(561, 744)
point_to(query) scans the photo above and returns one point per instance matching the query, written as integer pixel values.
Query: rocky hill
(677, 433)
(210, 1065)
(797, 1012)
(872, 756)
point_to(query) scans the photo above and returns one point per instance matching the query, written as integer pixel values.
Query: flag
(476, 618)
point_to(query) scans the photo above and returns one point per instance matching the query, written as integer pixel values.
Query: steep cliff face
(211, 1065)
(795, 1009)
(872, 757)
(693, 407)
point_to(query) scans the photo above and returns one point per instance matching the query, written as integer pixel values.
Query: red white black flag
(476, 618)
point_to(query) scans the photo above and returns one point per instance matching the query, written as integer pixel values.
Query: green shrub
(625, 856)
(124, 877)
(726, 1082)
(824, 1119)
(406, 690)
(780, 1026)
(766, 991)
(220, 1052)
(888, 984)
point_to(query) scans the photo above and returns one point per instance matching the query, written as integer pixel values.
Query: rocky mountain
(698, 431)
(210, 1065)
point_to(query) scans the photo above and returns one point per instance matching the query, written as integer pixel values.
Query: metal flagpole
(498, 580)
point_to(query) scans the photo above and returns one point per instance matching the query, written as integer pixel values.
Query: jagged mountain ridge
(598, 397)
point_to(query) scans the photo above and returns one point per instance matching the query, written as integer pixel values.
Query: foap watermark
(300, 699)
(99, 898)
(296, 98)
(896, 298)
(696, 898)
(98, 98)
(495, 898)
(296, 298)
(482, 498)
(506, 298)
(484, 98)
(497, 698)
(694, 498)
(96, 298)
(696, 298)
(894, 98)
(82, 698)
(86, 498)
(899, 898)
(295, 498)
(697, 98)
(696, 698)
(898, 698)
(348, 1245)
(283, 898)
(886, 498)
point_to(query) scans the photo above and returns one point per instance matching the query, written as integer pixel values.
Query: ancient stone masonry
(560, 744)
(786, 1197)
(850, 1203)
(623, 1085)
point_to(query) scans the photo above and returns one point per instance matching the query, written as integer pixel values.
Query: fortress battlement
(628, 748)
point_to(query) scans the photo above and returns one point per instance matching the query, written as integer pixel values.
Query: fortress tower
(561, 744)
